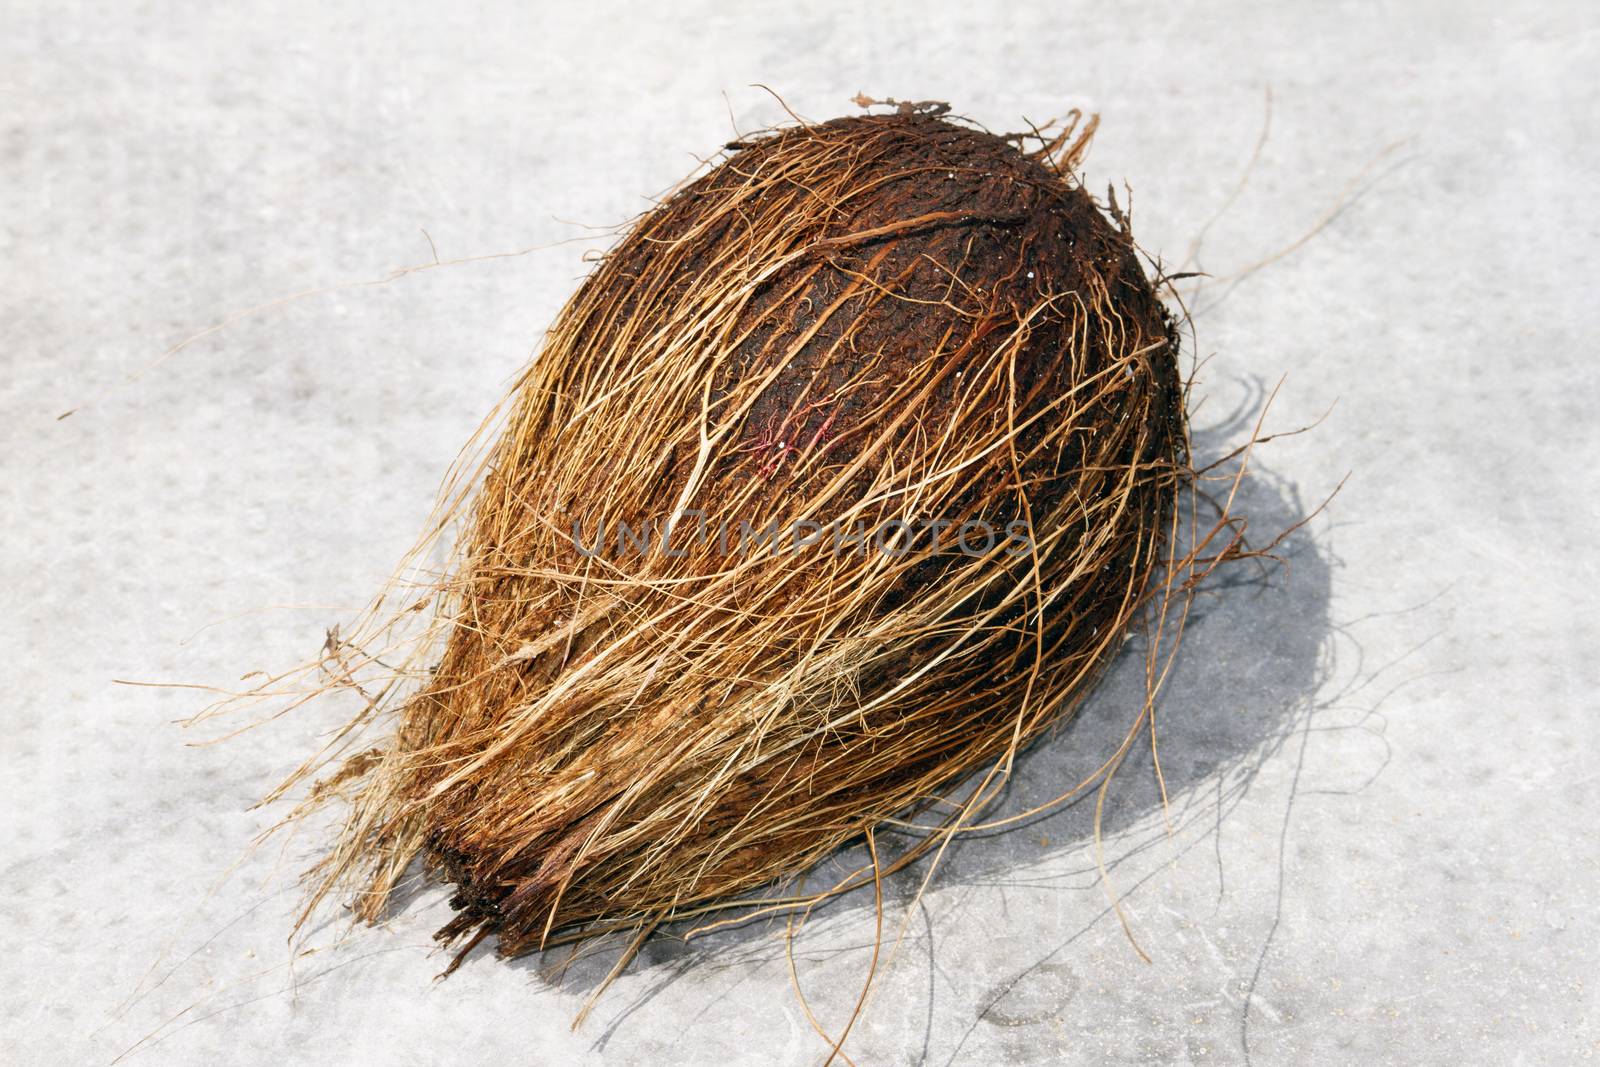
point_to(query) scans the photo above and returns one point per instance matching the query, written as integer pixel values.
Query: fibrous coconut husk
(892, 322)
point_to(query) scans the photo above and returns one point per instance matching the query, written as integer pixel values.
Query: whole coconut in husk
(840, 477)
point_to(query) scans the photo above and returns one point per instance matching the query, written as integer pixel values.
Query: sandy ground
(1381, 845)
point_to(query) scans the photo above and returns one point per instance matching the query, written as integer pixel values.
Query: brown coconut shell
(876, 320)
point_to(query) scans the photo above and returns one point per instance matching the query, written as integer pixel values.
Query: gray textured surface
(1383, 845)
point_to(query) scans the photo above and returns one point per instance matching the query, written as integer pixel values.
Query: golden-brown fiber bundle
(840, 477)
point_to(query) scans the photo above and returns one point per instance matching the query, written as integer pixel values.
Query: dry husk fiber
(878, 320)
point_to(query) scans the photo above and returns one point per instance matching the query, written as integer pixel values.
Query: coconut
(839, 479)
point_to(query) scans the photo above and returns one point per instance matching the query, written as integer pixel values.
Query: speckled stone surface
(1382, 844)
